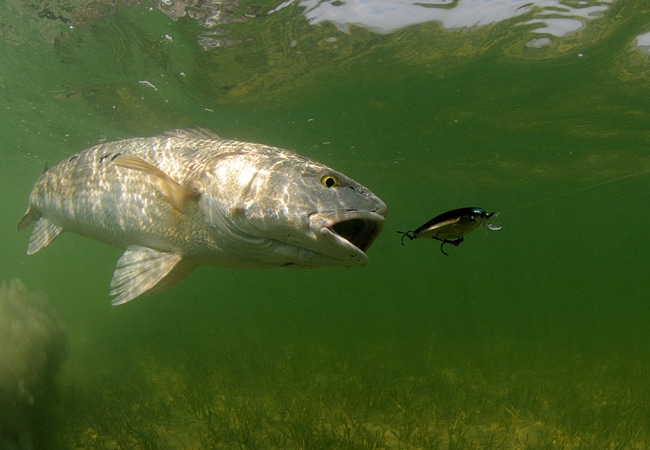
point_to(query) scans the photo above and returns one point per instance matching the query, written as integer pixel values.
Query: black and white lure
(452, 226)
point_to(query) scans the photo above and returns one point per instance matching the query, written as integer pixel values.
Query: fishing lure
(451, 227)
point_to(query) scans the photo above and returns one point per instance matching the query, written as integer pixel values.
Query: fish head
(282, 209)
(344, 217)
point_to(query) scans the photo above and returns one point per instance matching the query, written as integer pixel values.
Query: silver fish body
(188, 198)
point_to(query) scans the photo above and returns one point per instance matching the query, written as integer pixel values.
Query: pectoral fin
(144, 270)
(179, 195)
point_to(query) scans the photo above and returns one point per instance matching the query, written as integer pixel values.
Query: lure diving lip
(451, 227)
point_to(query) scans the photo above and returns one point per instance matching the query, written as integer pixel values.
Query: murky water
(533, 336)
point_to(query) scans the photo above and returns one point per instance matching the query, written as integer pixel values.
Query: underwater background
(531, 337)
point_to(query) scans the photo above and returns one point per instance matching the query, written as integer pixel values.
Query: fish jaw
(348, 233)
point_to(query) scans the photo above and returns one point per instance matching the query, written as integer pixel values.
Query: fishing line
(575, 191)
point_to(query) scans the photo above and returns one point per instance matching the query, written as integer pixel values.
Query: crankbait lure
(452, 226)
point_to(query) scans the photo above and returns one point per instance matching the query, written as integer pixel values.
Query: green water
(534, 336)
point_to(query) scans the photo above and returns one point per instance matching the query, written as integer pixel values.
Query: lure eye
(329, 181)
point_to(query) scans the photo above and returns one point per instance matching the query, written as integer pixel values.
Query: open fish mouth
(359, 232)
(351, 233)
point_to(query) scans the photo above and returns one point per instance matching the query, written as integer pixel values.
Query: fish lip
(351, 231)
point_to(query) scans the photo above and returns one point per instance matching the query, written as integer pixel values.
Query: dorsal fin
(192, 133)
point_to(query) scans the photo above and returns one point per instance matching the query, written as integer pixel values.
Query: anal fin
(44, 232)
(143, 270)
(32, 215)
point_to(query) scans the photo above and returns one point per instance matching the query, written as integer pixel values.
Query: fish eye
(329, 181)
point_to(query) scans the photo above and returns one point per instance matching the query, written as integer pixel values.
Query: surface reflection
(547, 16)
(642, 43)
